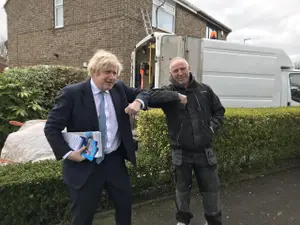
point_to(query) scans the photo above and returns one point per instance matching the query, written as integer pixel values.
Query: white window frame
(166, 7)
(56, 7)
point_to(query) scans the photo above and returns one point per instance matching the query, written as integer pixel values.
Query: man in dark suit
(100, 104)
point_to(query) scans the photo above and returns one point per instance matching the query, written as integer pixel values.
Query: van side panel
(242, 75)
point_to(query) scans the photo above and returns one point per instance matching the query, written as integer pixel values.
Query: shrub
(17, 103)
(32, 92)
(248, 138)
(49, 80)
(33, 193)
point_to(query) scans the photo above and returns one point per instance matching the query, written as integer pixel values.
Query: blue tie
(102, 125)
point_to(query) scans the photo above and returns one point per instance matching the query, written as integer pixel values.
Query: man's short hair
(102, 60)
(178, 58)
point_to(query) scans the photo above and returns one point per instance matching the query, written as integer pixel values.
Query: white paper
(74, 141)
(96, 135)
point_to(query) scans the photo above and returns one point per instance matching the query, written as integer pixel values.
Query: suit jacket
(76, 110)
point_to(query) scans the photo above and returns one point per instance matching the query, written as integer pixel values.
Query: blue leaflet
(91, 146)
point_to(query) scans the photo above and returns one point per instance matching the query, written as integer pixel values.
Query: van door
(193, 54)
(170, 46)
(187, 47)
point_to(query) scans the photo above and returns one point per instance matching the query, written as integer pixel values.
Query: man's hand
(76, 155)
(133, 108)
(182, 98)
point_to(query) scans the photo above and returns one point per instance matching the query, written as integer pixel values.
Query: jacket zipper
(179, 134)
(208, 129)
(199, 107)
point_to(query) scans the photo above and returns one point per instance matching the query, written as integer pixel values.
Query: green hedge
(30, 92)
(17, 103)
(34, 193)
(49, 80)
(248, 138)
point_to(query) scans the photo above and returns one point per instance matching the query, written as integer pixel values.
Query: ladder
(147, 22)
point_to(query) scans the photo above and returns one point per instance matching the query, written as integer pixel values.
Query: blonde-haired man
(105, 104)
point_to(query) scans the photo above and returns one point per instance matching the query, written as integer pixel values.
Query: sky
(3, 23)
(272, 23)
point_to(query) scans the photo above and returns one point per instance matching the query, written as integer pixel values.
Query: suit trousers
(112, 175)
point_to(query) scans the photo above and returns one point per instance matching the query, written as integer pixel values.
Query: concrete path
(269, 200)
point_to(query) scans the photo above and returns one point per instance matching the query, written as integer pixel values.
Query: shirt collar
(95, 89)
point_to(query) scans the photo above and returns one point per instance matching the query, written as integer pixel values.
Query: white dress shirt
(113, 136)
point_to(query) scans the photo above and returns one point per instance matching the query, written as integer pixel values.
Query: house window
(208, 31)
(165, 16)
(59, 13)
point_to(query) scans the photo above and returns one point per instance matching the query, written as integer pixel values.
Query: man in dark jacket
(194, 113)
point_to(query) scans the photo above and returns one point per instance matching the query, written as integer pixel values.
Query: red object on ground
(7, 161)
(15, 123)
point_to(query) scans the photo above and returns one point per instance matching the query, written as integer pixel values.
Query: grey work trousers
(208, 183)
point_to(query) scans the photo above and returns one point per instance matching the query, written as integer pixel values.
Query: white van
(241, 75)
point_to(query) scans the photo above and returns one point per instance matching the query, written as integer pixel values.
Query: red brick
(115, 25)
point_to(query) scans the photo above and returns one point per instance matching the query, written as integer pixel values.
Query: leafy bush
(49, 80)
(33, 193)
(32, 92)
(248, 138)
(17, 103)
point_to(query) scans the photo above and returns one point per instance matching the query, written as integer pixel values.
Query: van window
(295, 86)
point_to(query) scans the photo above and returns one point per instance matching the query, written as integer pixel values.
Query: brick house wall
(33, 39)
(115, 25)
(190, 25)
